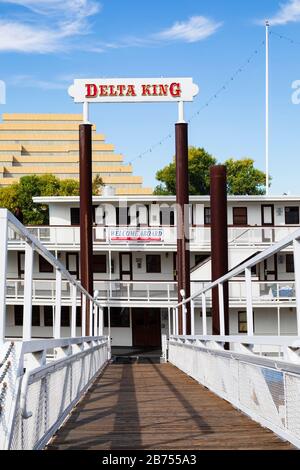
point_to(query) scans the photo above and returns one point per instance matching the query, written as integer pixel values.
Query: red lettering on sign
(103, 90)
(146, 90)
(163, 90)
(91, 90)
(121, 89)
(131, 91)
(112, 91)
(175, 90)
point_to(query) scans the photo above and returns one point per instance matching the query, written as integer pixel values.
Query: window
(75, 215)
(65, 316)
(290, 267)
(48, 315)
(207, 216)
(36, 321)
(45, 266)
(242, 320)
(200, 259)
(72, 263)
(240, 216)
(99, 263)
(18, 310)
(153, 264)
(167, 216)
(292, 215)
(78, 316)
(119, 317)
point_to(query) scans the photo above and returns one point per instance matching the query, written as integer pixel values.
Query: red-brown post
(182, 199)
(86, 214)
(219, 242)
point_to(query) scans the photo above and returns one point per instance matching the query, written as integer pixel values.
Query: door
(270, 269)
(146, 330)
(267, 220)
(125, 266)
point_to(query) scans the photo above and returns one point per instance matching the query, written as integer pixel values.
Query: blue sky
(44, 44)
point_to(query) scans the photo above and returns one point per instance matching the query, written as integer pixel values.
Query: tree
(20, 195)
(242, 177)
(199, 167)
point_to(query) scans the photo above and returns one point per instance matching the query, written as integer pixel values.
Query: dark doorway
(146, 330)
(125, 266)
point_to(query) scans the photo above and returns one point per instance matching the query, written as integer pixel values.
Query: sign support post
(86, 212)
(182, 200)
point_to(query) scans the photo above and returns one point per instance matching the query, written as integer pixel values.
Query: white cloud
(195, 29)
(289, 12)
(69, 18)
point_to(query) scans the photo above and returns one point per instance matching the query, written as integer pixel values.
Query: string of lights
(212, 98)
(285, 38)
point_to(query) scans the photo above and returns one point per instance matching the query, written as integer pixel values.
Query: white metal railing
(41, 380)
(46, 379)
(263, 292)
(268, 390)
(232, 366)
(69, 236)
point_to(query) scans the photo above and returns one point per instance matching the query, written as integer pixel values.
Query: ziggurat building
(48, 143)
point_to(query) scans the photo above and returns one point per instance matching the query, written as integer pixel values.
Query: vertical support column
(3, 271)
(204, 316)
(297, 281)
(250, 326)
(192, 318)
(101, 322)
(27, 312)
(73, 314)
(86, 214)
(219, 243)
(182, 200)
(57, 318)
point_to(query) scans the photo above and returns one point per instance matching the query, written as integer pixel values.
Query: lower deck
(158, 407)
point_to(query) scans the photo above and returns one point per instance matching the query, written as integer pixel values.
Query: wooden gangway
(158, 407)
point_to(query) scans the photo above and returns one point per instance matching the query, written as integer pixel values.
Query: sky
(45, 44)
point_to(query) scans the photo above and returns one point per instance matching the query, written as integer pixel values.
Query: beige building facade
(48, 143)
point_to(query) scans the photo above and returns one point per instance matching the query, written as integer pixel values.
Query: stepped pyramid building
(48, 143)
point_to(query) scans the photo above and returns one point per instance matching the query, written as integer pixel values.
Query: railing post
(221, 309)
(96, 312)
(27, 311)
(297, 281)
(57, 318)
(73, 314)
(83, 315)
(204, 316)
(91, 310)
(3, 271)
(174, 321)
(250, 326)
(184, 314)
(192, 318)
(101, 323)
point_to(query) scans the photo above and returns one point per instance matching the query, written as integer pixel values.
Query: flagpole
(267, 108)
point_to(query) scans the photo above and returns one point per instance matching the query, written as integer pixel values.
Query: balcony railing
(69, 236)
(263, 292)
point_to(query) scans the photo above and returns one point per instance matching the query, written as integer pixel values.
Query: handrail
(276, 248)
(24, 233)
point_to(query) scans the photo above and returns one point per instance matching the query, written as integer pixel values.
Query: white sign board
(132, 90)
(145, 235)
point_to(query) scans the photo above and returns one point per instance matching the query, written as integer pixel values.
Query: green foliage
(97, 184)
(243, 178)
(20, 195)
(199, 165)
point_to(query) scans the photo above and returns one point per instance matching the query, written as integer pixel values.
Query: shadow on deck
(157, 407)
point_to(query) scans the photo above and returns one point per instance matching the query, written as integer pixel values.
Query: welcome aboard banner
(136, 235)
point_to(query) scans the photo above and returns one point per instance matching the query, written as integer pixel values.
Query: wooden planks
(157, 407)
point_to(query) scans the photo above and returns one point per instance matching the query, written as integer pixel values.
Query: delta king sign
(131, 90)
